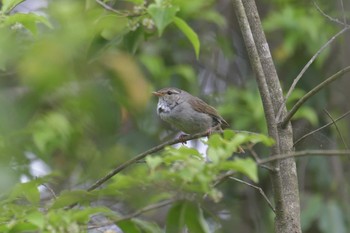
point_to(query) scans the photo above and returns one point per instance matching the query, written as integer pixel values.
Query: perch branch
(316, 89)
(157, 148)
(305, 153)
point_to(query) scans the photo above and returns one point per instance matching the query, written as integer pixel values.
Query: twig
(143, 155)
(50, 190)
(314, 131)
(336, 127)
(139, 157)
(223, 177)
(258, 188)
(122, 14)
(257, 159)
(136, 213)
(107, 7)
(343, 11)
(331, 18)
(316, 89)
(147, 208)
(296, 80)
(304, 153)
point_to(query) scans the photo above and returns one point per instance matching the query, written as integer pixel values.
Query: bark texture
(284, 179)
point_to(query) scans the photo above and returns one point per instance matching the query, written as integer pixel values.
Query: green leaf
(147, 227)
(129, 226)
(27, 190)
(332, 218)
(139, 2)
(36, 218)
(246, 166)
(189, 33)
(29, 21)
(308, 114)
(51, 132)
(194, 219)
(23, 227)
(312, 211)
(83, 215)
(162, 15)
(153, 162)
(175, 220)
(8, 5)
(70, 197)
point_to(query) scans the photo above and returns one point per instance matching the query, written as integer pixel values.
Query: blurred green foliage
(75, 84)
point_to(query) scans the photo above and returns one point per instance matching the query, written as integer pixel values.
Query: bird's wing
(201, 106)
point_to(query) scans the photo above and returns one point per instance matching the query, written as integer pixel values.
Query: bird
(186, 112)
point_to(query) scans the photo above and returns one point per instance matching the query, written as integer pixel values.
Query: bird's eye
(169, 93)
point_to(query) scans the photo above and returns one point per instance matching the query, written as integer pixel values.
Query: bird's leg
(211, 129)
(182, 138)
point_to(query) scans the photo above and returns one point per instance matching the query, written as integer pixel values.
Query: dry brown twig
(305, 153)
(261, 191)
(313, 58)
(314, 131)
(312, 92)
(336, 127)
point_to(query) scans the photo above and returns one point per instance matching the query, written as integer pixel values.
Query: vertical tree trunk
(284, 179)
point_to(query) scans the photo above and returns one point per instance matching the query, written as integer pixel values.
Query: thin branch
(305, 153)
(223, 177)
(257, 159)
(331, 18)
(107, 7)
(316, 89)
(122, 14)
(336, 127)
(343, 11)
(136, 213)
(139, 157)
(258, 188)
(147, 208)
(314, 131)
(296, 80)
(50, 190)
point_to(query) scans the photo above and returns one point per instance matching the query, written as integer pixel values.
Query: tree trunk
(284, 178)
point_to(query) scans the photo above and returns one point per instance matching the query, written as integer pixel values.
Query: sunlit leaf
(162, 15)
(67, 198)
(29, 21)
(247, 167)
(36, 218)
(8, 5)
(29, 190)
(189, 33)
(153, 162)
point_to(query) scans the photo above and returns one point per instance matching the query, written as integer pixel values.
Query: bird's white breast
(162, 108)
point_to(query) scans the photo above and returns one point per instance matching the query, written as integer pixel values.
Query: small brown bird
(187, 112)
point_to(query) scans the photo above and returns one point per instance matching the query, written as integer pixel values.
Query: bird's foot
(182, 138)
(240, 150)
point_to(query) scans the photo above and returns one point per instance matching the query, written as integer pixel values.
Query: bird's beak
(156, 93)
